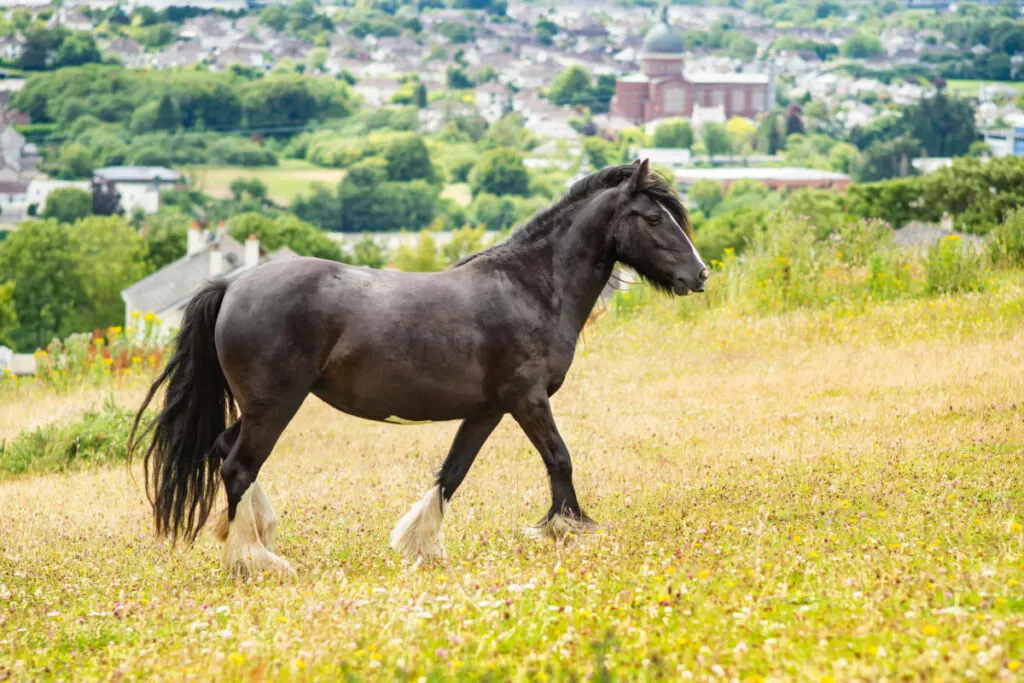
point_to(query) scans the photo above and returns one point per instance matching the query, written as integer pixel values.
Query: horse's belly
(392, 392)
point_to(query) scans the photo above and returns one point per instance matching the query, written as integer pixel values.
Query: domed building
(664, 88)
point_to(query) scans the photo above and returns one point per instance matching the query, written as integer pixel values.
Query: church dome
(663, 38)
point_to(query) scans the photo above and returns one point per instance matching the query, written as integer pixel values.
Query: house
(186, 53)
(376, 91)
(210, 256)
(139, 186)
(493, 100)
(1006, 142)
(11, 47)
(125, 50)
(240, 54)
(13, 192)
(38, 190)
(669, 157)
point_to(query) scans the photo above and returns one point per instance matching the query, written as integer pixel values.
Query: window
(674, 100)
(717, 98)
(739, 100)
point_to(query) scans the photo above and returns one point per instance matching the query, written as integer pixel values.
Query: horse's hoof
(262, 564)
(560, 526)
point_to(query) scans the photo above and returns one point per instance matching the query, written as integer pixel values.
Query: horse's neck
(575, 253)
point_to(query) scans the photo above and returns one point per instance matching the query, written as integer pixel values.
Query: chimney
(195, 239)
(252, 252)
(947, 222)
(216, 261)
(222, 229)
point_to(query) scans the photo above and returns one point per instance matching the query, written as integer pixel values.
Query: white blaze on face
(685, 236)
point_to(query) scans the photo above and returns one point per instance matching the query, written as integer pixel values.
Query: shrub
(240, 152)
(952, 266)
(99, 437)
(1006, 242)
(500, 172)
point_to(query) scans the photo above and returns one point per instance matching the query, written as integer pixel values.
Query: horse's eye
(654, 220)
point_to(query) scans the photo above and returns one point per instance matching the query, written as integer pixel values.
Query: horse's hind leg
(251, 520)
(418, 533)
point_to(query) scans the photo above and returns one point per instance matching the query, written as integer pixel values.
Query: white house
(210, 255)
(38, 190)
(13, 192)
(11, 47)
(493, 101)
(139, 186)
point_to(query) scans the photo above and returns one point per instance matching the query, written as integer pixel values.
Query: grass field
(970, 88)
(810, 497)
(284, 182)
(287, 181)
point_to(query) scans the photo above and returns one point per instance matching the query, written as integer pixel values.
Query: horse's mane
(658, 187)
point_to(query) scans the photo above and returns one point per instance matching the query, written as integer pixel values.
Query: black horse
(493, 334)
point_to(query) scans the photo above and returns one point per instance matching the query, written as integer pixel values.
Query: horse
(492, 335)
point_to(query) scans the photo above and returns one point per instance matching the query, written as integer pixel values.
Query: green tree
(888, 159)
(165, 238)
(500, 172)
(716, 139)
(77, 49)
(494, 213)
(8, 313)
(944, 125)
(705, 195)
(601, 152)
(408, 159)
(420, 95)
(768, 138)
(860, 46)
(48, 290)
(109, 255)
(39, 50)
(285, 231)
(457, 79)
(166, 116)
(367, 252)
(674, 134)
(572, 86)
(509, 131)
(68, 204)
(420, 257)
(75, 161)
(546, 31)
(843, 157)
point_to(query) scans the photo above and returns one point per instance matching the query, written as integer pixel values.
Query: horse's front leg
(534, 416)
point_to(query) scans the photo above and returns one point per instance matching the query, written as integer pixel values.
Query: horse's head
(652, 234)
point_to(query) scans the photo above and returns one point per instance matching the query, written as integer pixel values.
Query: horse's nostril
(704, 274)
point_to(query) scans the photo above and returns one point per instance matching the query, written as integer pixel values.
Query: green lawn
(970, 88)
(284, 182)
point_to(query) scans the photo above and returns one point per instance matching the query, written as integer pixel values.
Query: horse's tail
(182, 462)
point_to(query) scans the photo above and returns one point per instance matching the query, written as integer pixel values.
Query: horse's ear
(638, 181)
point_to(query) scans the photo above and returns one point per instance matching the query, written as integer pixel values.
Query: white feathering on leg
(418, 533)
(244, 552)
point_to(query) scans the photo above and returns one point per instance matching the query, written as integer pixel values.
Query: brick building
(665, 88)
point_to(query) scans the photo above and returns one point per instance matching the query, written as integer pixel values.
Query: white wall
(133, 195)
(39, 190)
(138, 195)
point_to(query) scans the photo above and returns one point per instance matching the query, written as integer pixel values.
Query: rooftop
(663, 38)
(138, 174)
